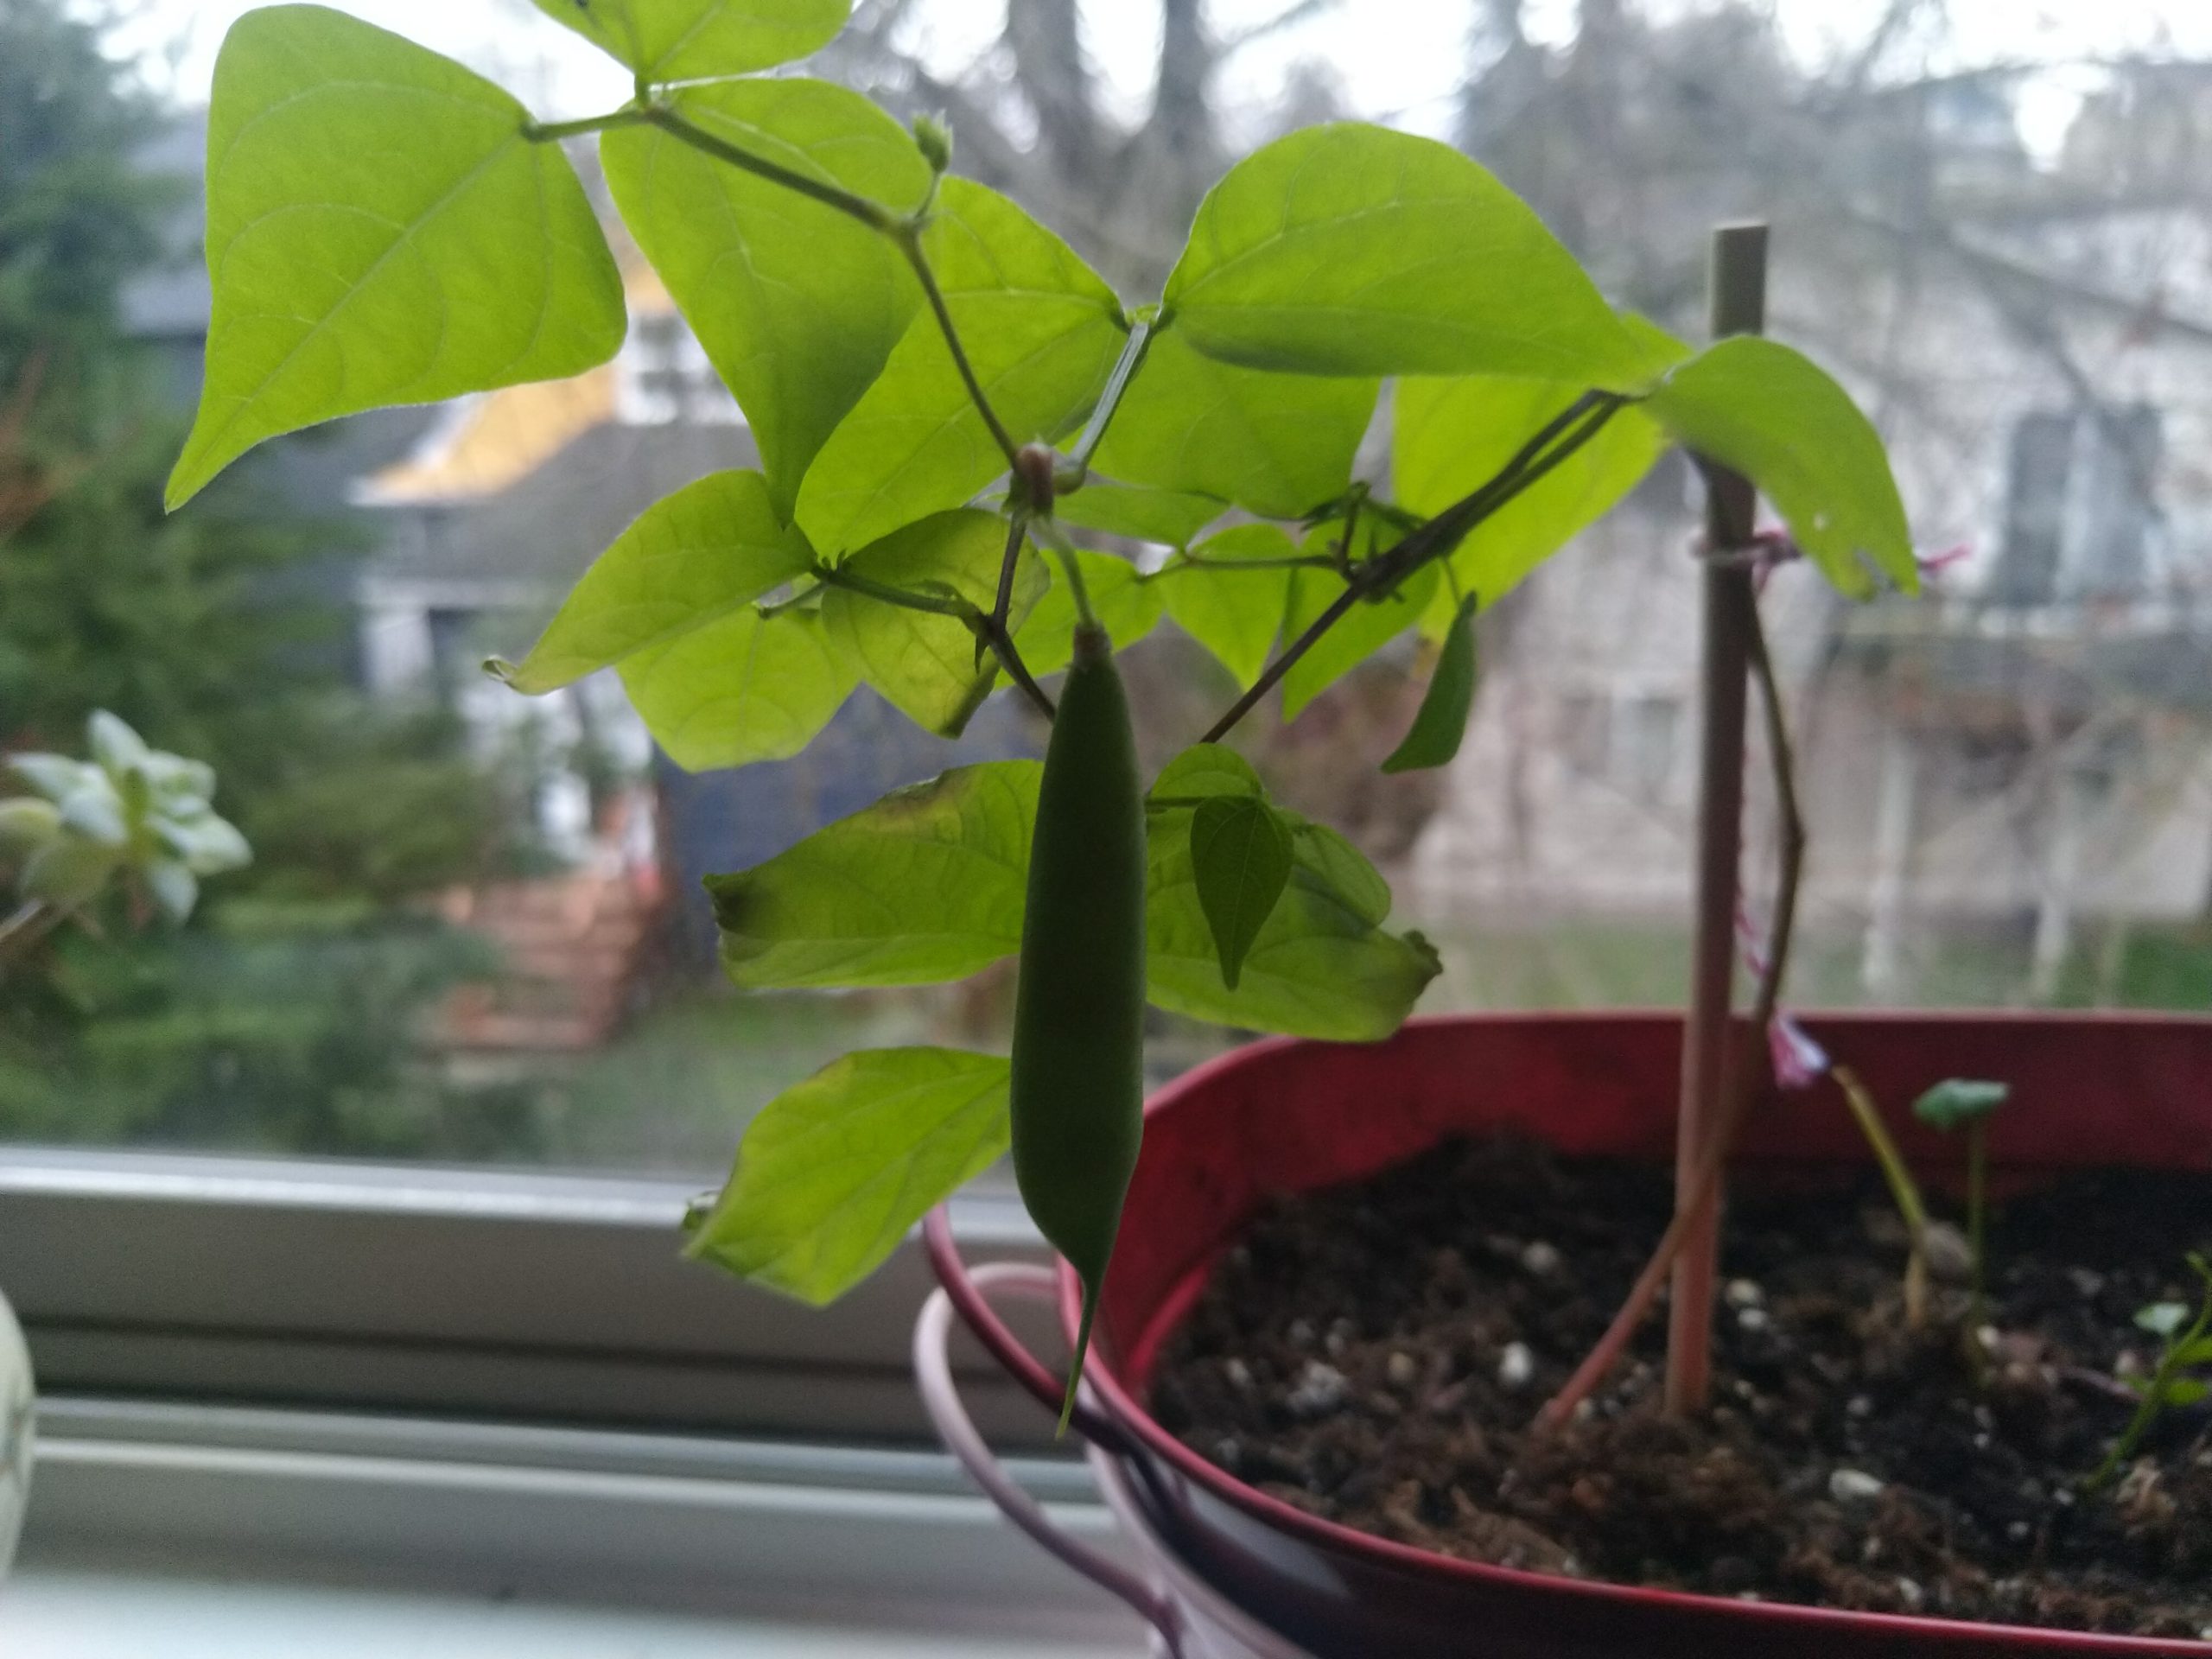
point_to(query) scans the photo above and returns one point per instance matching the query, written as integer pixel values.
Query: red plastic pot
(1287, 1117)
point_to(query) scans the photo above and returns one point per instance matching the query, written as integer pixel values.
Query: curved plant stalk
(1904, 1190)
(1744, 1073)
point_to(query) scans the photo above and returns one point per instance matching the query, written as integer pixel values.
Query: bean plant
(951, 409)
(2182, 1376)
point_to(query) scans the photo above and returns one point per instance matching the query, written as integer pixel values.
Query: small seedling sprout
(2187, 1348)
(1967, 1103)
(1903, 1189)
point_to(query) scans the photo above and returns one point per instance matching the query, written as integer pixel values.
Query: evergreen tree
(282, 1015)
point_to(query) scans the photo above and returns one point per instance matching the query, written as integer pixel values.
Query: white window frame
(482, 1294)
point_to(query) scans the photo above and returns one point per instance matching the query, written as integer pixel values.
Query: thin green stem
(875, 216)
(1102, 414)
(2154, 1396)
(547, 133)
(833, 576)
(795, 600)
(909, 239)
(1903, 1189)
(1977, 1225)
(1017, 525)
(1194, 561)
(1063, 550)
(1558, 441)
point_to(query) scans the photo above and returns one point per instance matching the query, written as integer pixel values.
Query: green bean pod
(1077, 1089)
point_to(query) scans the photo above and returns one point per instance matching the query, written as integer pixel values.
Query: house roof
(535, 536)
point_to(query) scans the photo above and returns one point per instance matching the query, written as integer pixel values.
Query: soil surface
(1374, 1354)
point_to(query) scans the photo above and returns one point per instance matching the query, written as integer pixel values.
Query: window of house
(2082, 509)
(666, 377)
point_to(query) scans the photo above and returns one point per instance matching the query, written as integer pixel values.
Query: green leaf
(176, 890)
(746, 688)
(927, 664)
(379, 231)
(798, 305)
(1776, 417)
(1957, 1101)
(2198, 1352)
(1341, 868)
(1318, 967)
(1348, 249)
(67, 872)
(1171, 518)
(2162, 1319)
(1124, 602)
(1236, 614)
(691, 560)
(1450, 436)
(1274, 444)
(1370, 625)
(834, 1171)
(697, 40)
(1204, 769)
(1042, 332)
(27, 823)
(1319, 964)
(55, 777)
(2184, 1391)
(926, 885)
(1240, 861)
(1441, 722)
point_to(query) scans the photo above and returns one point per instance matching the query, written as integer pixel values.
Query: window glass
(473, 926)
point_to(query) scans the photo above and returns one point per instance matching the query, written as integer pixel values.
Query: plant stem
(1557, 442)
(794, 602)
(1745, 1071)
(547, 132)
(832, 575)
(1300, 561)
(1977, 1223)
(1101, 415)
(874, 215)
(1903, 1189)
(1063, 550)
(909, 239)
(2154, 1396)
(1002, 647)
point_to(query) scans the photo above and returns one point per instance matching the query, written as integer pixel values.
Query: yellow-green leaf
(695, 40)
(1350, 248)
(1041, 332)
(798, 305)
(1236, 614)
(1776, 417)
(834, 1170)
(379, 230)
(1450, 436)
(746, 688)
(1274, 444)
(926, 663)
(689, 561)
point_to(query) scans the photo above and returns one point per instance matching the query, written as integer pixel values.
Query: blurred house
(2027, 746)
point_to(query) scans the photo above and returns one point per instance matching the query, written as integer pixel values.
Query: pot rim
(1128, 1417)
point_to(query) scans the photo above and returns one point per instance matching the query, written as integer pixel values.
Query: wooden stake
(1738, 307)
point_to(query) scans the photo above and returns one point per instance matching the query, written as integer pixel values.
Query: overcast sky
(1397, 60)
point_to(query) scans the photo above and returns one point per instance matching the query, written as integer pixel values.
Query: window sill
(181, 1530)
